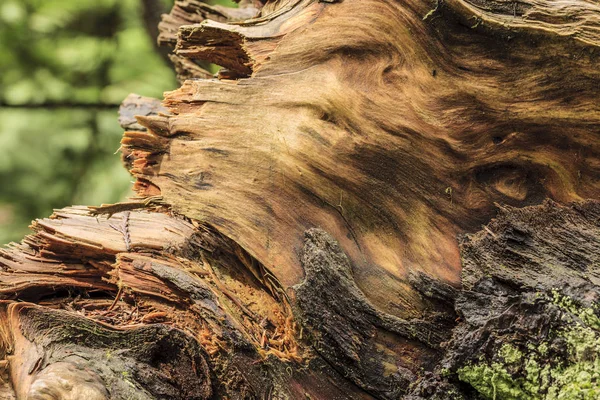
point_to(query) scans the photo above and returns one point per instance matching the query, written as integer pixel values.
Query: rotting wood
(295, 230)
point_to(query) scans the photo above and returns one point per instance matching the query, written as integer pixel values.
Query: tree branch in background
(152, 10)
(53, 105)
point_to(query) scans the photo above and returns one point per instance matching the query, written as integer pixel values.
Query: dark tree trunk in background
(374, 199)
(152, 10)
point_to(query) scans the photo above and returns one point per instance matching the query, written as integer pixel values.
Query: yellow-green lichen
(510, 354)
(533, 372)
(492, 381)
(586, 314)
(580, 377)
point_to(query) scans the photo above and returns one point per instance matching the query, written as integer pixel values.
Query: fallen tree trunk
(301, 220)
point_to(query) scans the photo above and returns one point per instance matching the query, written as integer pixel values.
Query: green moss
(532, 371)
(586, 314)
(492, 381)
(543, 349)
(510, 354)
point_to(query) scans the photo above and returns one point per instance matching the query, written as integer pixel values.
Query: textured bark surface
(296, 230)
(531, 285)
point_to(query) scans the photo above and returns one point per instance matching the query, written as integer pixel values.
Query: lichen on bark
(565, 365)
(531, 326)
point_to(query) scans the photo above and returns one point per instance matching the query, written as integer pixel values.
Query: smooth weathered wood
(98, 361)
(392, 128)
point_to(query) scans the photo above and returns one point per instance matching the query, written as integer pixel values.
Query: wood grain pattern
(390, 127)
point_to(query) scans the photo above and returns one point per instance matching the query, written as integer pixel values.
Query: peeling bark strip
(295, 230)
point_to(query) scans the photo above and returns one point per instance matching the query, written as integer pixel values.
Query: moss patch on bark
(565, 366)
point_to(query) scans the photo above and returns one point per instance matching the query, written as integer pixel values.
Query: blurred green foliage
(54, 158)
(77, 51)
(64, 66)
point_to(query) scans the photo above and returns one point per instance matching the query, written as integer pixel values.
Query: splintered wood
(137, 268)
(393, 133)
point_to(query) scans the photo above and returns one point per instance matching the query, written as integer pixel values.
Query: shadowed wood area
(300, 217)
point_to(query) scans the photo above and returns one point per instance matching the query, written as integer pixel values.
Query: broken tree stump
(317, 221)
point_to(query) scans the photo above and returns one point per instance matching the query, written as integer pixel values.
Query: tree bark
(373, 199)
